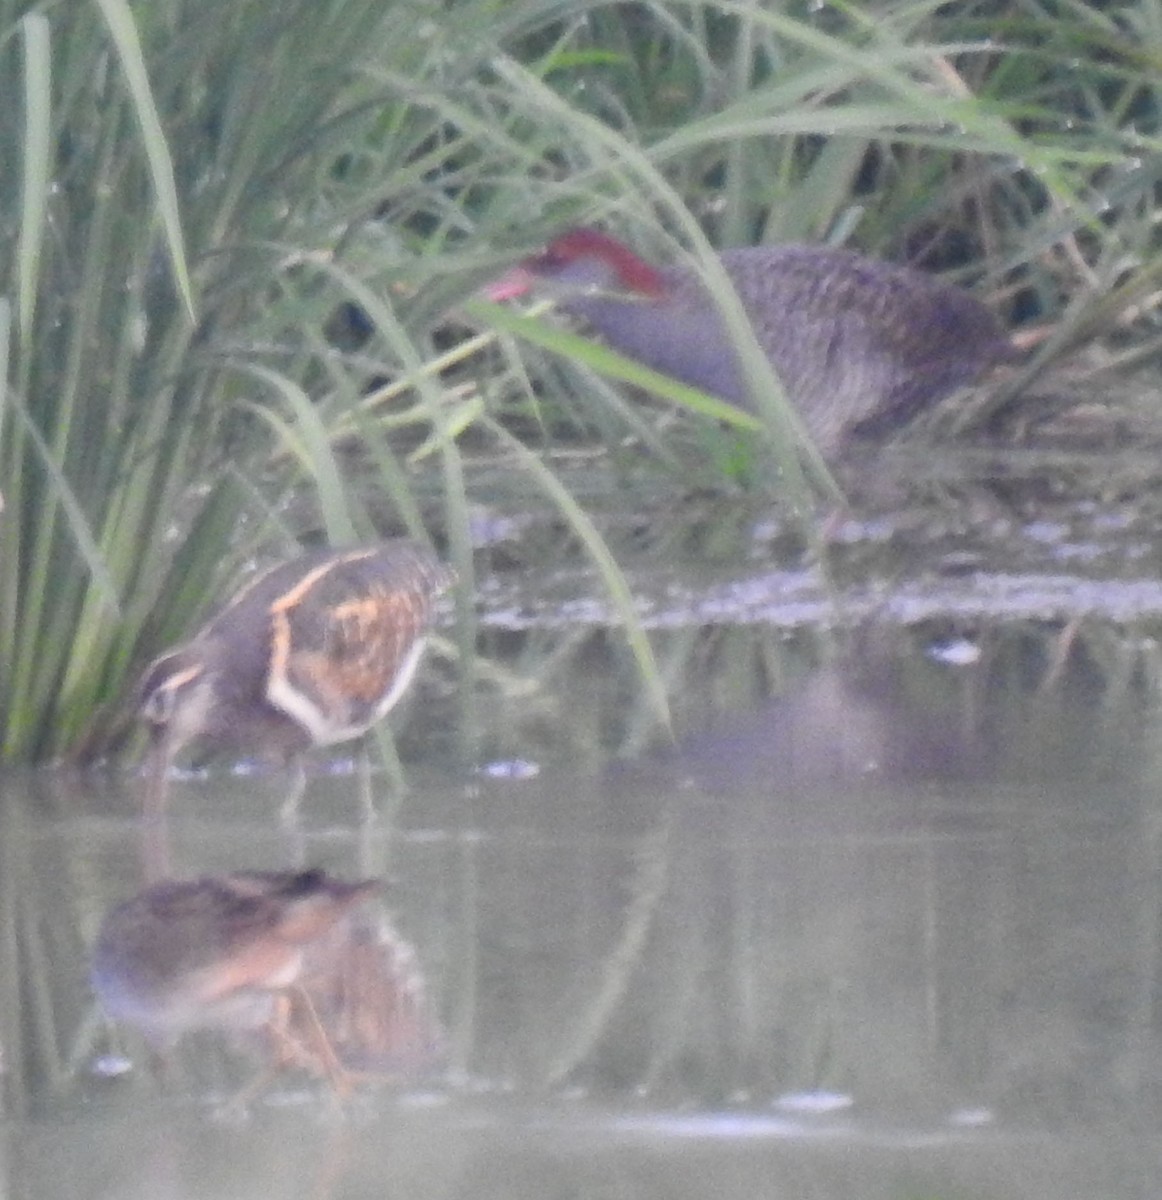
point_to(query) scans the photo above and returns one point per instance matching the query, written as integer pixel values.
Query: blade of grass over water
(616, 366)
(621, 597)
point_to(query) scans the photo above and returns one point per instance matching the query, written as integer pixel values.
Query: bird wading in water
(310, 653)
(860, 345)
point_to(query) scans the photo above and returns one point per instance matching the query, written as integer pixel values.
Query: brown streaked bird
(860, 345)
(311, 653)
(225, 952)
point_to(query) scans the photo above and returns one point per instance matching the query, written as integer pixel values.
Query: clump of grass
(161, 299)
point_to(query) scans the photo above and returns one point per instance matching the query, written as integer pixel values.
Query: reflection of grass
(232, 224)
(647, 890)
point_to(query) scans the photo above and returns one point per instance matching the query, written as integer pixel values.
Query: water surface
(882, 921)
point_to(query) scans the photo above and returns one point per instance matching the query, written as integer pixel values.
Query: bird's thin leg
(326, 1060)
(366, 796)
(157, 767)
(286, 1052)
(289, 812)
(156, 859)
(239, 1104)
(155, 848)
(276, 1030)
(338, 1075)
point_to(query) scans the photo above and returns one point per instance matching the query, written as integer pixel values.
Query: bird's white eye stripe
(182, 677)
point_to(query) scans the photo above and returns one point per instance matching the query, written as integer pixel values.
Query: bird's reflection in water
(291, 962)
(366, 987)
(883, 709)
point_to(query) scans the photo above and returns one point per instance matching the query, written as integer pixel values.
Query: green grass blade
(5, 333)
(37, 164)
(79, 527)
(311, 445)
(123, 30)
(615, 583)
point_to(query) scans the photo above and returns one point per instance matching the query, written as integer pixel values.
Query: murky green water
(883, 923)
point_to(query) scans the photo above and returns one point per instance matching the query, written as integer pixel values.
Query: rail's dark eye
(550, 262)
